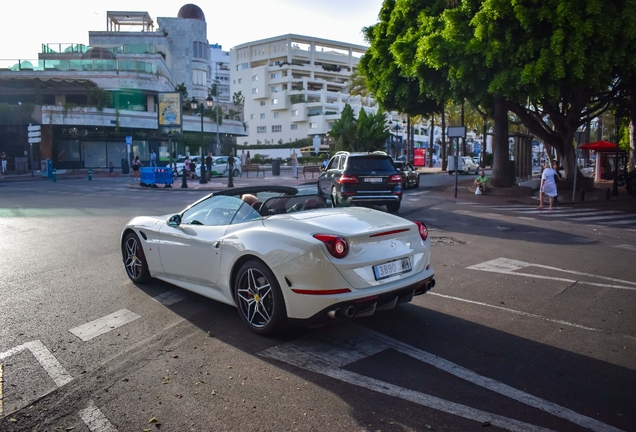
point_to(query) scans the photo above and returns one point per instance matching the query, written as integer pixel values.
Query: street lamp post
(396, 128)
(200, 108)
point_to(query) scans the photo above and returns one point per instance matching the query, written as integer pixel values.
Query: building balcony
(80, 65)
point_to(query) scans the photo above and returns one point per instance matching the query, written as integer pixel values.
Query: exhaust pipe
(432, 283)
(351, 311)
(429, 285)
(334, 313)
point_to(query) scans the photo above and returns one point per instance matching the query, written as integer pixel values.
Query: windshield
(366, 164)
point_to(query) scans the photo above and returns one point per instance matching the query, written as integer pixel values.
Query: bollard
(90, 174)
(230, 181)
(54, 175)
(184, 180)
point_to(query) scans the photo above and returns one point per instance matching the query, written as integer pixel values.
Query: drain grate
(445, 241)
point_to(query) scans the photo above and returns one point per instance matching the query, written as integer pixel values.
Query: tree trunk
(501, 153)
(445, 160)
(431, 137)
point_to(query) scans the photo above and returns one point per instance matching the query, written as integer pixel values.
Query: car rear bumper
(366, 306)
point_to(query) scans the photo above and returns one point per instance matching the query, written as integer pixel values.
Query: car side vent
(288, 282)
(143, 234)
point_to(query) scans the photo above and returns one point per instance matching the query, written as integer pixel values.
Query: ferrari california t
(282, 257)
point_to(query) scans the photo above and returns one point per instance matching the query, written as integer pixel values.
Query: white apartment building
(220, 71)
(294, 86)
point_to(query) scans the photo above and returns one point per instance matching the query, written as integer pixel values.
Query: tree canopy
(554, 63)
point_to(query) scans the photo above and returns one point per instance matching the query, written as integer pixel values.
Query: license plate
(373, 179)
(392, 268)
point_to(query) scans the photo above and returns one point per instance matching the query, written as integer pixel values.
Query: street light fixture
(200, 108)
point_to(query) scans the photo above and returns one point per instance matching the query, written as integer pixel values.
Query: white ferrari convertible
(282, 257)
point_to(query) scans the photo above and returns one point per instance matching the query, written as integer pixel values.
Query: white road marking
(419, 193)
(581, 216)
(545, 210)
(510, 266)
(105, 324)
(602, 218)
(626, 246)
(328, 351)
(514, 207)
(170, 297)
(49, 363)
(516, 312)
(95, 419)
(623, 222)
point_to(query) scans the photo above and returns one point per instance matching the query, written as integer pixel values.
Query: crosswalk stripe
(632, 220)
(537, 211)
(515, 207)
(103, 325)
(626, 247)
(581, 216)
(600, 218)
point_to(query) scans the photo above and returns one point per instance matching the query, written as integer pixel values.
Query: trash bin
(44, 168)
(125, 169)
(49, 168)
(276, 167)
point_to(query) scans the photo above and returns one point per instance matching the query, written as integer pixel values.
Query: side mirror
(174, 221)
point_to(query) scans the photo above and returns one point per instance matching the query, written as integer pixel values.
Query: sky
(27, 24)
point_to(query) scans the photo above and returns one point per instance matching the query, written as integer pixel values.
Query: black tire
(135, 259)
(236, 173)
(259, 299)
(417, 182)
(393, 207)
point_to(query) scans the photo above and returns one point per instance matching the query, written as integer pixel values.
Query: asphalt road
(530, 327)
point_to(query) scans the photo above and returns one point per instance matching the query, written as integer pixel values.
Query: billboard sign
(170, 113)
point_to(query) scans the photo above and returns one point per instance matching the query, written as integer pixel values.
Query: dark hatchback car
(410, 175)
(362, 178)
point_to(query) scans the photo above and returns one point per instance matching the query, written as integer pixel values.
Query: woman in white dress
(548, 185)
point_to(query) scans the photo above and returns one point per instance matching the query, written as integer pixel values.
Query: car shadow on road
(464, 223)
(590, 387)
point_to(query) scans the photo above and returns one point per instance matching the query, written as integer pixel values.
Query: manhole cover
(445, 241)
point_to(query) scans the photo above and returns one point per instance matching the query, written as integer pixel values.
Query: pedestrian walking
(549, 179)
(243, 157)
(294, 161)
(3, 164)
(153, 158)
(208, 166)
(111, 169)
(248, 159)
(136, 165)
(186, 166)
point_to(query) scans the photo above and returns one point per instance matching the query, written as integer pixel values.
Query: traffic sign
(35, 128)
(128, 140)
(34, 134)
(35, 140)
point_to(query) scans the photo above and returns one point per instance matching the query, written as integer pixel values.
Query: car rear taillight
(346, 178)
(337, 246)
(423, 230)
(395, 179)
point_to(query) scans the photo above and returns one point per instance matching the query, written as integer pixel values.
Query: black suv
(362, 178)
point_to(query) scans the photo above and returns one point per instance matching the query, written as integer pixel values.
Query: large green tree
(555, 64)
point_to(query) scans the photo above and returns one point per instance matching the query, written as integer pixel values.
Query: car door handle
(216, 244)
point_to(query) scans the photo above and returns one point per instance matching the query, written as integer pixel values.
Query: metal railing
(79, 65)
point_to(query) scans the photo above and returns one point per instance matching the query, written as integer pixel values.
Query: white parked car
(181, 162)
(285, 259)
(220, 168)
(466, 165)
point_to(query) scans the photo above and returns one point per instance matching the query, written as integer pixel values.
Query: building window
(274, 89)
(294, 126)
(254, 77)
(294, 113)
(276, 114)
(240, 80)
(261, 129)
(274, 101)
(275, 75)
(262, 116)
(255, 90)
(251, 116)
(199, 77)
(241, 66)
(200, 50)
(262, 103)
(313, 125)
(277, 128)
